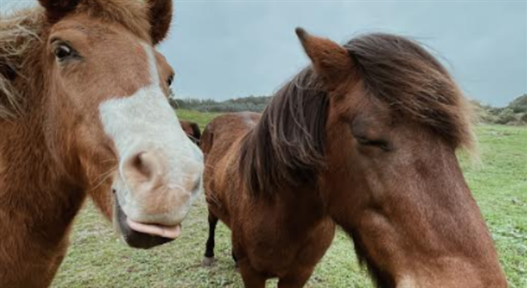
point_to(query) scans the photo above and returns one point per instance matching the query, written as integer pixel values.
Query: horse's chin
(134, 238)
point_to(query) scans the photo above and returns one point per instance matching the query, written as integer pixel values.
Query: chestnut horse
(84, 110)
(192, 130)
(285, 234)
(392, 180)
(385, 163)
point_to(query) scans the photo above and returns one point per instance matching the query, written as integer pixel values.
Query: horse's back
(220, 144)
(223, 131)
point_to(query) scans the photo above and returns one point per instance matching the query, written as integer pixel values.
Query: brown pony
(385, 164)
(84, 110)
(285, 232)
(192, 130)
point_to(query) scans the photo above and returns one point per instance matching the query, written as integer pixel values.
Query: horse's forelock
(133, 15)
(401, 73)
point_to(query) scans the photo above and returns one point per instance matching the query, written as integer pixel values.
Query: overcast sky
(228, 49)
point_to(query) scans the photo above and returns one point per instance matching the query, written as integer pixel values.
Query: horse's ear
(57, 9)
(196, 132)
(160, 19)
(330, 60)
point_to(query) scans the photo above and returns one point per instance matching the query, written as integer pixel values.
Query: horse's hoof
(207, 261)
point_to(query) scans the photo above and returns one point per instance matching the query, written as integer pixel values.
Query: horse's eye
(63, 52)
(170, 80)
(382, 144)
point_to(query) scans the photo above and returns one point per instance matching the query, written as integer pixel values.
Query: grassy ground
(97, 258)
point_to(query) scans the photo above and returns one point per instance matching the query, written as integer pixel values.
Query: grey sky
(227, 49)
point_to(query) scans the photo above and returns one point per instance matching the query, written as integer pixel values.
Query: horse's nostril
(140, 162)
(144, 166)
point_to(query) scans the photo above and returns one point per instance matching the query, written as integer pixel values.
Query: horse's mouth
(144, 236)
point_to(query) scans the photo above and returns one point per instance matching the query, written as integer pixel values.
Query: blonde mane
(21, 32)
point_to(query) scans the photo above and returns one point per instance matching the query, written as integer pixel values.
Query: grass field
(98, 258)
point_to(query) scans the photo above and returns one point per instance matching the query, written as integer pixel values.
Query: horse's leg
(209, 250)
(251, 278)
(297, 279)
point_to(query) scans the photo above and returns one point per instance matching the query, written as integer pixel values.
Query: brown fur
(49, 158)
(404, 75)
(392, 180)
(281, 235)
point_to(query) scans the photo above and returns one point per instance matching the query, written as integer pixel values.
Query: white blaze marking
(142, 122)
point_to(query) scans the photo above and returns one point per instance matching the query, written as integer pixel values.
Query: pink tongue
(156, 230)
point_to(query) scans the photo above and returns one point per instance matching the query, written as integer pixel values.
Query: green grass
(201, 118)
(98, 258)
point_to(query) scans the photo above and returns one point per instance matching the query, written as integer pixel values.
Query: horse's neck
(33, 191)
(37, 207)
(300, 199)
(300, 206)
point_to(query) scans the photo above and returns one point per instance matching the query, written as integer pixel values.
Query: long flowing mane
(20, 41)
(401, 73)
(287, 147)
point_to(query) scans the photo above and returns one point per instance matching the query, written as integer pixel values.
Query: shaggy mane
(21, 32)
(288, 145)
(401, 73)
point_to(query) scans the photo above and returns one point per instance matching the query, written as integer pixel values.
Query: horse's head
(108, 117)
(396, 119)
(400, 109)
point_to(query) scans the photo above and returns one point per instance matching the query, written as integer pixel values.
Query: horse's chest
(273, 249)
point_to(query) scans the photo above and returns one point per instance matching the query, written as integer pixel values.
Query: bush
(519, 105)
(514, 114)
(251, 103)
(506, 116)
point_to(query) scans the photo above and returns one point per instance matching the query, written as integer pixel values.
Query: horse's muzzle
(134, 238)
